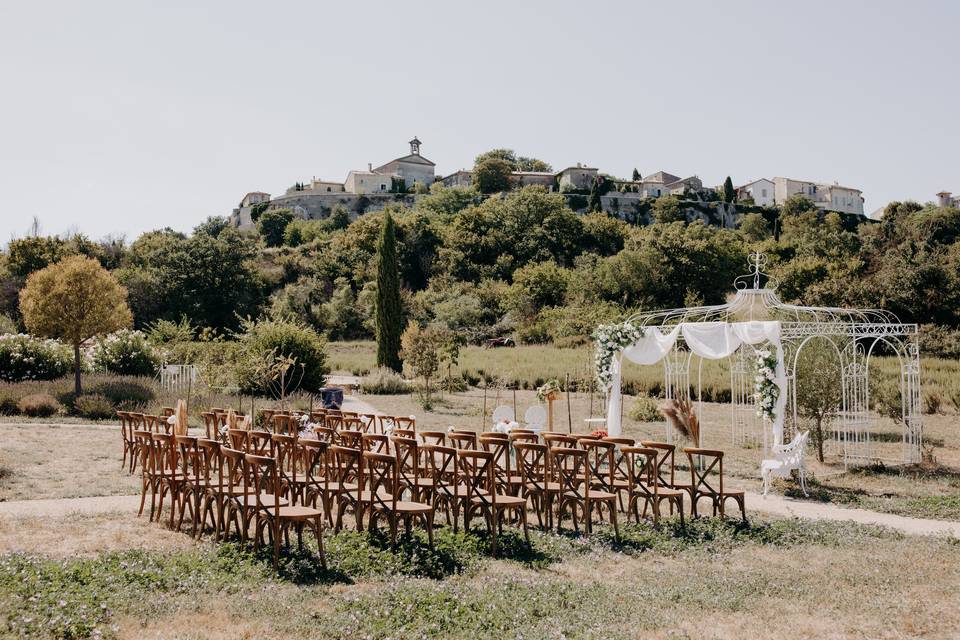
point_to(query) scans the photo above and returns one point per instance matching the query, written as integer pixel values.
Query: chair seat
(266, 500)
(502, 500)
(407, 506)
(299, 513)
(593, 494)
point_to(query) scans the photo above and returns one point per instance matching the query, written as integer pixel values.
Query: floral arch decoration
(762, 337)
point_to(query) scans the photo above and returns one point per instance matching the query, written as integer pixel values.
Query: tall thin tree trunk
(76, 369)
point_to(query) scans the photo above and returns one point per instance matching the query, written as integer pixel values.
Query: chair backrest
(476, 475)
(463, 439)
(792, 454)
(313, 454)
(600, 462)
(536, 416)
(284, 448)
(503, 413)
(345, 463)
(188, 455)
(260, 443)
(404, 433)
(368, 422)
(333, 421)
(702, 464)
(532, 464)
(559, 440)
(210, 423)
(405, 422)
(434, 437)
(234, 469)
(353, 423)
(569, 468)
(262, 470)
(238, 439)
(284, 423)
(381, 476)
(376, 442)
(165, 454)
(407, 453)
(325, 434)
(640, 464)
(143, 441)
(440, 463)
(496, 435)
(499, 445)
(665, 461)
(212, 461)
(523, 436)
(349, 438)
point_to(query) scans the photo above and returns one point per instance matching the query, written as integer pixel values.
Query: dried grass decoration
(681, 415)
(180, 419)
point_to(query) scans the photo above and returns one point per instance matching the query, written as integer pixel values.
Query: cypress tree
(388, 320)
(636, 175)
(729, 195)
(594, 203)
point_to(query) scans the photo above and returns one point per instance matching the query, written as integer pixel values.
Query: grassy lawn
(715, 579)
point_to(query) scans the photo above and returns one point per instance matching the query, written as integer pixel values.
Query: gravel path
(68, 506)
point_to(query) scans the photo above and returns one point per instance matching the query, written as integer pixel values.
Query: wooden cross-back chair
(499, 446)
(702, 463)
(368, 422)
(149, 478)
(192, 488)
(666, 466)
(260, 443)
(553, 440)
(214, 489)
(433, 437)
(170, 478)
(645, 485)
(570, 469)
(407, 451)
(537, 488)
(129, 444)
(285, 424)
(210, 424)
(273, 518)
(314, 456)
(345, 469)
(384, 495)
(333, 421)
(444, 489)
(289, 467)
(478, 478)
(349, 438)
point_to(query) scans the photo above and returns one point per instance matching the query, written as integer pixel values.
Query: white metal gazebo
(682, 338)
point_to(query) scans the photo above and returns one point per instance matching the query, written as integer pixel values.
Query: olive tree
(74, 300)
(819, 388)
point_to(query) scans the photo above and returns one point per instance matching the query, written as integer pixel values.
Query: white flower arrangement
(610, 340)
(765, 389)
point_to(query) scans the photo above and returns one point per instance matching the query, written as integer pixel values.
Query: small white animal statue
(536, 417)
(786, 458)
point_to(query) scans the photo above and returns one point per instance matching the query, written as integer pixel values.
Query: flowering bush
(39, 405)
(765, 389)
(610, 340)
(126, 353)
(24, 357)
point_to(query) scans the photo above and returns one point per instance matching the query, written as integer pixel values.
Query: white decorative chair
(503, 413)
(536, 417)
(787, 457)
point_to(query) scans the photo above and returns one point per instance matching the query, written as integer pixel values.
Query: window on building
(763, 192)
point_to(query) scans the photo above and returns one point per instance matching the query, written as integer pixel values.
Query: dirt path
(791, 507)
(67, 506)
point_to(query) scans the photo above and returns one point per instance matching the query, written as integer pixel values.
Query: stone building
(829, 197)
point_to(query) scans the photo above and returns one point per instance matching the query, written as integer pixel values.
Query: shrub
(126, 352)
(932, 400)
(264, 346)
(8, 405)
(38, 405)
(385, 381)
(125, 393)
(170, 332)
(7, 324)
(93, 406)
(23, 357)
(645, 409)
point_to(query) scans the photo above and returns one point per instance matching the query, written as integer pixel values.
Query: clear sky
(120, 117)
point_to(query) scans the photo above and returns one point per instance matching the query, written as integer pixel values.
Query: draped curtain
(710, 340)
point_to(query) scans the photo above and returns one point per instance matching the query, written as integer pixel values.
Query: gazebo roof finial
(756, 262)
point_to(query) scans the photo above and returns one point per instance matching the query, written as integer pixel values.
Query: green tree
(388, 312)
(796, 205)
(212, 226)
(74, 300)
(819, 388)
(492, 175)
(636, 175)
(666, 209)
(422, 352)
(272, 224)
(26, 255)
(729, 194)
(754, 227)
(594, 204)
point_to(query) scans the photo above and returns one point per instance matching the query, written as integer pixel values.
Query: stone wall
(317, 206)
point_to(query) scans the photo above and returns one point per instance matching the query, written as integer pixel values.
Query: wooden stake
(569, 415)
(483, 415)
(515, 415)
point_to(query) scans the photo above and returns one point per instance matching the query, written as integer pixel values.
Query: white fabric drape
(710, 340)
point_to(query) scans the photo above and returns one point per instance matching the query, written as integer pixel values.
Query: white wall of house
(761, 191)
(366, 182)
(578, 177)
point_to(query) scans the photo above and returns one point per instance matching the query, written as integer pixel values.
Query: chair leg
(613, 518)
